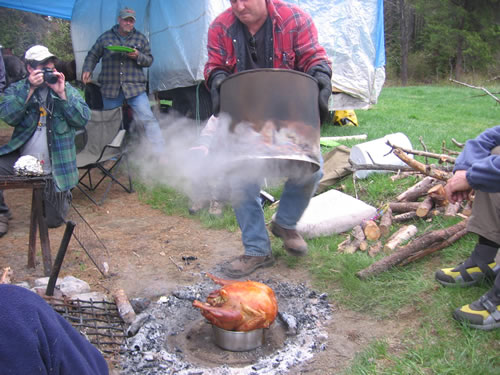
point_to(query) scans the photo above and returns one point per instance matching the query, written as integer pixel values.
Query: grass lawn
(434, 343)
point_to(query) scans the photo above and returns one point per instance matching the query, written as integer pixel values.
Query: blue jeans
(247, 207)
(142, 109)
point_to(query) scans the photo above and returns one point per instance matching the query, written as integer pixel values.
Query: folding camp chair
(103, 150)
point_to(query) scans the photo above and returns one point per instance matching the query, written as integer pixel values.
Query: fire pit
(177, 339)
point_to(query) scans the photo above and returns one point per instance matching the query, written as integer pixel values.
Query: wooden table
(37, 220)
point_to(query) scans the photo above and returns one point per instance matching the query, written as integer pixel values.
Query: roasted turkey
(239, 305)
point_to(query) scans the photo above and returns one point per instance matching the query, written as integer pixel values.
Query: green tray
(120, 49)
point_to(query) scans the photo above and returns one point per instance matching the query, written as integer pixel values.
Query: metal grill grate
(98, 321)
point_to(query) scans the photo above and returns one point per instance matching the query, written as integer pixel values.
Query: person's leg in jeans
(248, 210)
(245, 197)
(294, 200)
(142, 109)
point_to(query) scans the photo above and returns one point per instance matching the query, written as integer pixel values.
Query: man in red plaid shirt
(255, 34)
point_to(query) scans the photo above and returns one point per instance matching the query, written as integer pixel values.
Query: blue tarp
(54, 8)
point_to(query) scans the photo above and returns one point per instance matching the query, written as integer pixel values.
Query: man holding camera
(45, 112)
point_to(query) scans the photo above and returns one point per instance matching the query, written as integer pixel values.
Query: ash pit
(176, 338)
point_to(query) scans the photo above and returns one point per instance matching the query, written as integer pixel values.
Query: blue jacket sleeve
(483, 167)
(37, 340)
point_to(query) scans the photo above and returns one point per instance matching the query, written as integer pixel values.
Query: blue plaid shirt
(118, 70)
(67, 116)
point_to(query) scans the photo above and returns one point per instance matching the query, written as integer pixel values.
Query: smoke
(236, 156)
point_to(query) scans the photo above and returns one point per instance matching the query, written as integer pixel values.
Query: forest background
(427, 41)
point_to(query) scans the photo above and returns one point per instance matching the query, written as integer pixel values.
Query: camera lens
(49, 76)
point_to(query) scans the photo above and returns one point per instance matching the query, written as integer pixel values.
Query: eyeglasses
(253, 48)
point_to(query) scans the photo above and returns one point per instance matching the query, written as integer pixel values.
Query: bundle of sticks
(424, 200)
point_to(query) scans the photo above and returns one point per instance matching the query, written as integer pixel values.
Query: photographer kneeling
(45, 112)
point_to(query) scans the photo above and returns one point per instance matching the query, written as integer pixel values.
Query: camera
(49, 76)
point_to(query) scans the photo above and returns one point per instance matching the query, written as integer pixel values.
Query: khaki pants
(485, 218)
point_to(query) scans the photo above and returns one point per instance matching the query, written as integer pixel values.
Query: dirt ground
(145, 248)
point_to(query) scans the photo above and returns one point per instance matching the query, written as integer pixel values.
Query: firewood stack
(425, 200)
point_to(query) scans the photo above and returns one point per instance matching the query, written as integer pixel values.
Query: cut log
(425, 206)
(402, 234)
(375, 248)
(428, 170)
(422, 242)
(404, 217)
(371, 230)
(125, 309)
(438, 195)
(363, 246)
(385, 222)
(451, 209)
(435, 247)
(402, 207)
(341, 246)
(418, 190)
(358, 238)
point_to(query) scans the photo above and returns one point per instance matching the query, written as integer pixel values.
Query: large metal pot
(274, 114)
(236, 341)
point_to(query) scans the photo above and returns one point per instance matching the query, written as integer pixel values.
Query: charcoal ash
(177, 339)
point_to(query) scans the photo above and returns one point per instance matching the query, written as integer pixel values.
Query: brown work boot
(292, 241)
(244, 265)
(4, 225)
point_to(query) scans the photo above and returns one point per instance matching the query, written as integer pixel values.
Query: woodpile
(425, 200)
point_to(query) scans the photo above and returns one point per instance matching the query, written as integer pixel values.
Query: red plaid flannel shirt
(295, 39)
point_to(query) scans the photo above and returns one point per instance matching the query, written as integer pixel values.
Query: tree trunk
(404, 40)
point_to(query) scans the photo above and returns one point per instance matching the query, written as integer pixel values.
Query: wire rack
(98, 321)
